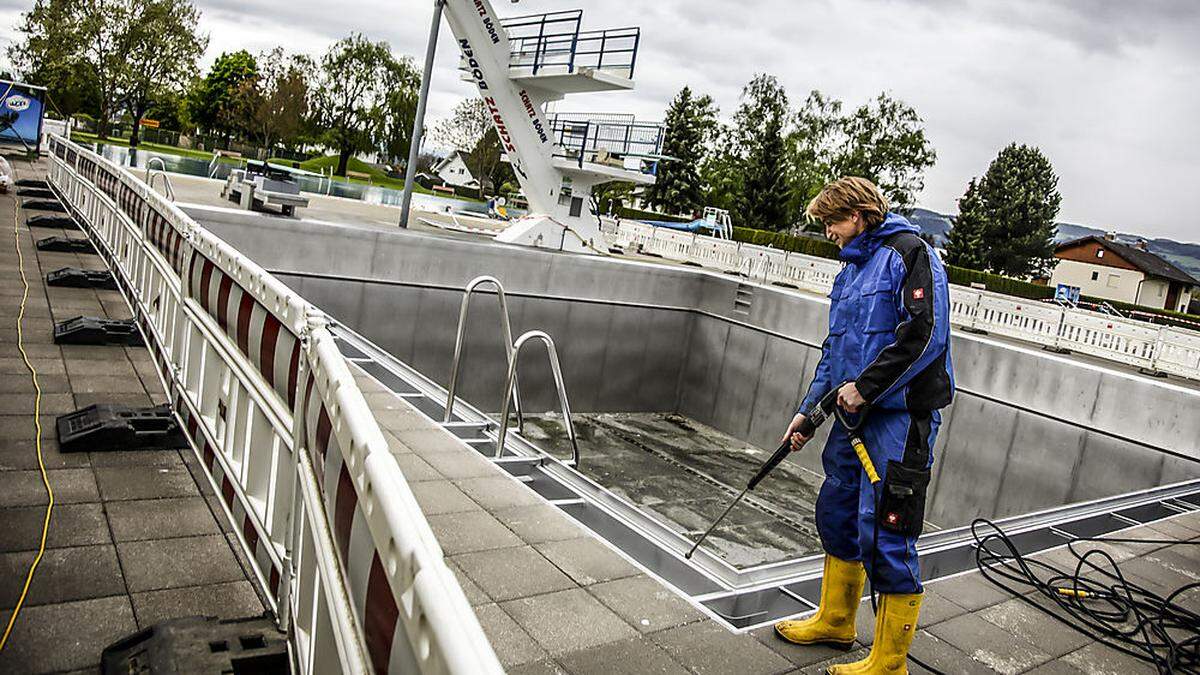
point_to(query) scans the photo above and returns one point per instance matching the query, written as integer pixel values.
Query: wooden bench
(360, 175)
(443, 189)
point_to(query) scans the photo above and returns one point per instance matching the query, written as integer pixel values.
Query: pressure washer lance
(813, 419)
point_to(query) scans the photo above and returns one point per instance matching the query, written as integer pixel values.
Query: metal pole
(414, 149)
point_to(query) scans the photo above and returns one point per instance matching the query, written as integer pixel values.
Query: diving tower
(522, 64)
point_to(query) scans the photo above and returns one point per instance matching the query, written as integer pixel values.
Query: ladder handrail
(559, 385)
(151, 173)
(509, 348)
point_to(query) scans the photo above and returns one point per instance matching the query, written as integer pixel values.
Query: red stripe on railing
(223, 302)
(245, 311)
(205, 277)
(266, 351)
(381, 615)
(293, 373)
(343, 517)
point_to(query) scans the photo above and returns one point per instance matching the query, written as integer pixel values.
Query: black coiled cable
(1096, 599)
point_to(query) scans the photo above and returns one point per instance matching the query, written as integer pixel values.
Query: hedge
(638, 214)
(998, 284)
(786, 242)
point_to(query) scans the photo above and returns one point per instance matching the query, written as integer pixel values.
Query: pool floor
(685, 474)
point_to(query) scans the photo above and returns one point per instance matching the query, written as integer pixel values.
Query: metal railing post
(556, 368)
(509, 349)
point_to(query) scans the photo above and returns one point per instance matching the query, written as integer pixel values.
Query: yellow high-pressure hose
(860, 449)
(37, 421)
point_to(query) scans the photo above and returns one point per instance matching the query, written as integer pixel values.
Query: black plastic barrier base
(43, 205)
(65, 245)
(109, 428)
(39, 193)
(32, 182)
(91, 330)
(73, 277)
(53, 221)
(197, 644)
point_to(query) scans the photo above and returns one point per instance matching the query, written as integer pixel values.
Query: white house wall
(1111, 283)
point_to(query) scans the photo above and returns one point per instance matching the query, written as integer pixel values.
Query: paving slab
(1035, 626)
(415, 469)
(471, 531)
(65, 636)
(145, 482)
(160, 518)
(567, 621)
(513, 646)
(707, 647)
(496, 493)
(993, 646)
(797, 655)
(228, 600)
(72, 525)
(457, 466)
(63, 575)
(511, 573)
(645, 604)
(623, 657)
(587, 560)
(174, 563)
(71, 486)
(1100, 659)
(540, 523)
(442, 496)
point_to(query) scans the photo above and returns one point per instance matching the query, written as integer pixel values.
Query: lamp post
(414, 149)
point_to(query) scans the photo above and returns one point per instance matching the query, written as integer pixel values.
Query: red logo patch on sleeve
(918, 294)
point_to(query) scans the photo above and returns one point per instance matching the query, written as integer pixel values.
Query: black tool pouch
(902, 503)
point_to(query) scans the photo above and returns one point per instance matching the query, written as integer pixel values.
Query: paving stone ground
(554, 599)
(133, 538)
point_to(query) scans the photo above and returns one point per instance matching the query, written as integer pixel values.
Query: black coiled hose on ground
(1097, 599)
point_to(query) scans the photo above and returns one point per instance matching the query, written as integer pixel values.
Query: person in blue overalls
(889, 341)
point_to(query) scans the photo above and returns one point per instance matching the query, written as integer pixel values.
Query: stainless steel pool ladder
(151, 173)
(510, 349)
(510, 382)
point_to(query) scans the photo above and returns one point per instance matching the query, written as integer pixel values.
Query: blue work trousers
(846, 503)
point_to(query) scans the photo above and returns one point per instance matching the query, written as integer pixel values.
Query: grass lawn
(316, 164)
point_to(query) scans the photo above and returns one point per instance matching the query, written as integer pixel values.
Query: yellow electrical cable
(37, 420)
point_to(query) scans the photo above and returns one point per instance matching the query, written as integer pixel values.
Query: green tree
(274, 103)
(758, 136)
(678, 188)
(50, 54)
(353, 97)
(965, 247)
(486, 157)
(883, 141)
(215, 102)
(161, 48)
(1016, 201)
(401, 111)
(721, 171)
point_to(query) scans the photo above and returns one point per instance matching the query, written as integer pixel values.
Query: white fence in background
(336, 538)
(1160, 349)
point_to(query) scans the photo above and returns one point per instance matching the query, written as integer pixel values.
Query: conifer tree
(678, 188)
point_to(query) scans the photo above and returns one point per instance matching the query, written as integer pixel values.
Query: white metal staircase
(519, 65)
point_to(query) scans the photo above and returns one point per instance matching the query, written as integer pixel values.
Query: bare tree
(463, 131)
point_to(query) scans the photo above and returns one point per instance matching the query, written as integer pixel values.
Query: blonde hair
(847, 196)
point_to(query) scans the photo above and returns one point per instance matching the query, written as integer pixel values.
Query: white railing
(1159, 349)
(335, 537)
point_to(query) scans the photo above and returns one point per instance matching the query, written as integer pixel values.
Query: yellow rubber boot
(833, 624)
(895, 626)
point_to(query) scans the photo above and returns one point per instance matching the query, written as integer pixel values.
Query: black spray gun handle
(813, 419)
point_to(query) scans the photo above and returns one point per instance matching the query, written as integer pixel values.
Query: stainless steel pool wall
(1028, 430)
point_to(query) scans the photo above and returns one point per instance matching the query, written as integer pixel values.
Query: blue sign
(1067, 294)
(21, 110)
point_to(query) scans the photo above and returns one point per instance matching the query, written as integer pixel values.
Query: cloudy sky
(1108, 89)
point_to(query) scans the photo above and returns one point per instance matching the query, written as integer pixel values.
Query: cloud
(1106, 88)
